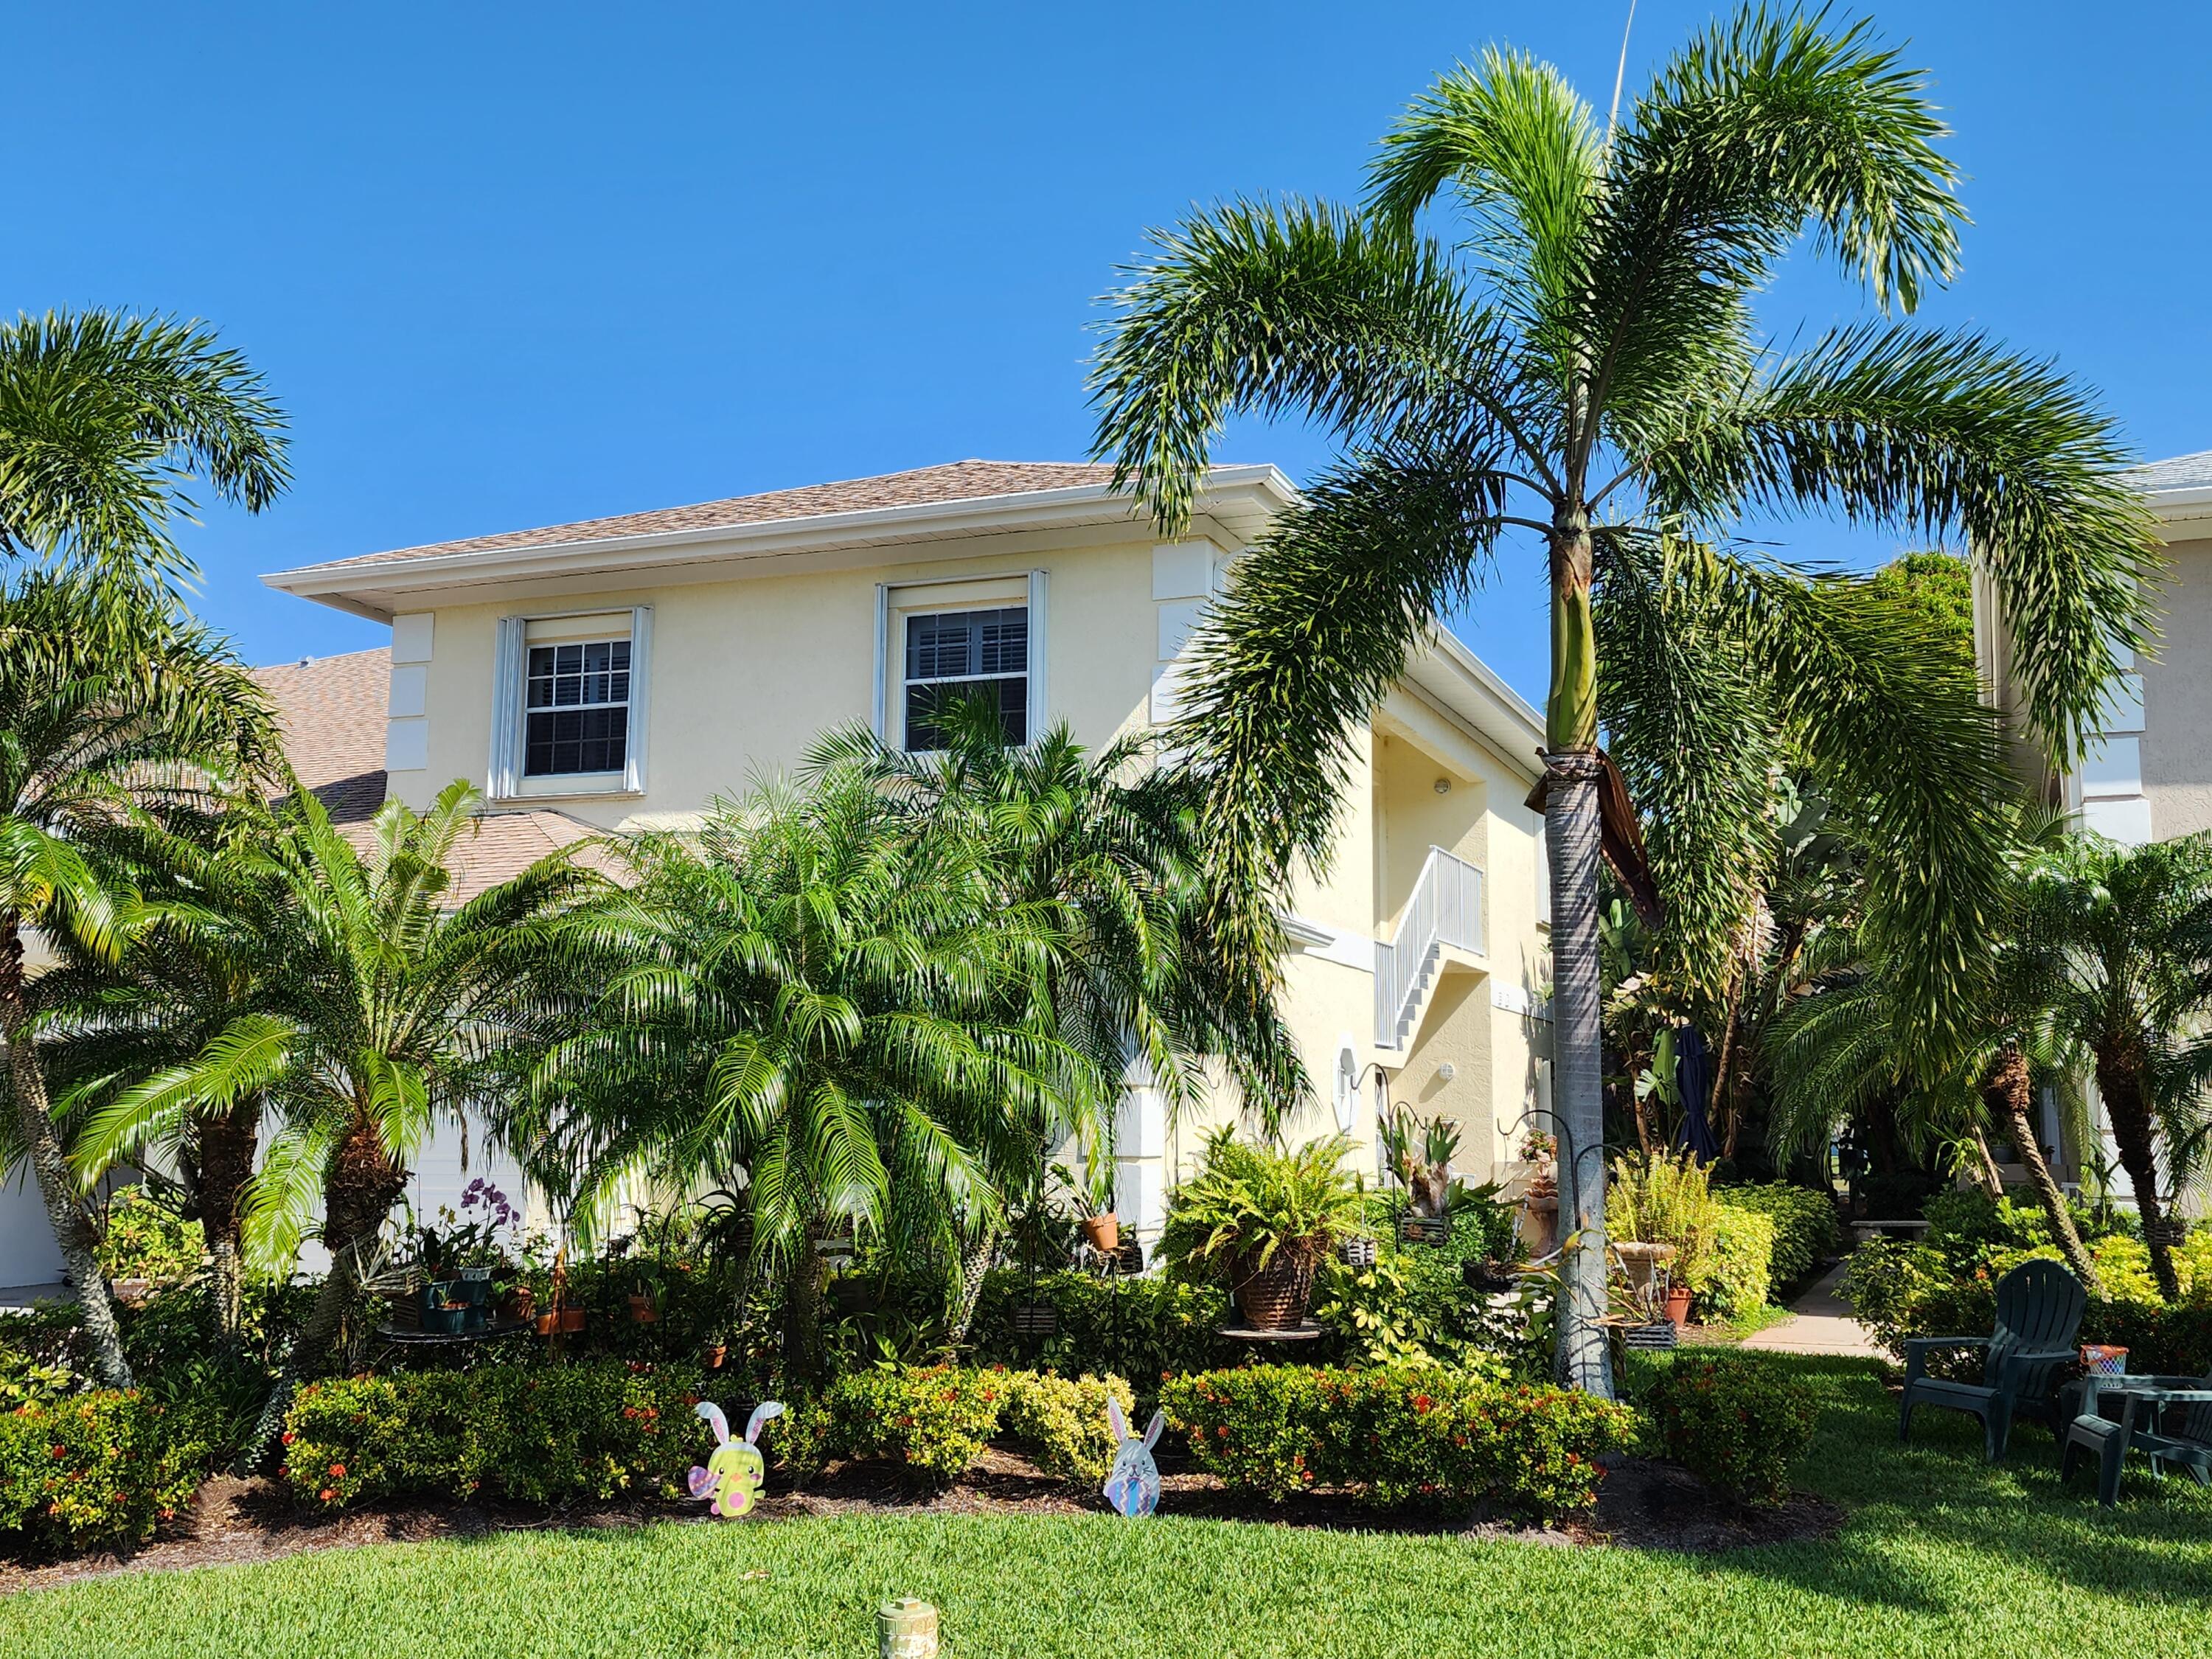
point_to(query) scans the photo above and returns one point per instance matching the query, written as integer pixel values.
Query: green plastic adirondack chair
(2040, 1306)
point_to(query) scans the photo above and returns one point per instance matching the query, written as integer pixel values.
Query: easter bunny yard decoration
(732, 1477)
(1133, 1486)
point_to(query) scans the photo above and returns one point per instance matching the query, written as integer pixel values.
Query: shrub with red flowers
(1398, 1437)
(535, 1434)
(91, 1469)
(1736, 1420)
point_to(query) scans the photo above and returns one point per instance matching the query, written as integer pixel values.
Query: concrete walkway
(1819, 1322)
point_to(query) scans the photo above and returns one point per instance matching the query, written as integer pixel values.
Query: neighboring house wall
(741, 659)
(2176, 750)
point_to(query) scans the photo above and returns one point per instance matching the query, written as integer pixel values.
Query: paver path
(1819, 1322)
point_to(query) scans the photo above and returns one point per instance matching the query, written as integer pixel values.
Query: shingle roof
(954, 481)
(2175, 473)
(332, 712)
(506, 844)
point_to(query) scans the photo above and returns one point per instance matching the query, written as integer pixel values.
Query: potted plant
(1665, 1212)
(1093, 1197)
(1261, 1220)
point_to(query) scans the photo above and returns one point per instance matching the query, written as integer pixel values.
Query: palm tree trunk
(1985, 1165)
(227, 1142)
(802, 1314)
(359, 1186)
(2013, 1090)
(1571, 831)
(2119, 1080)
(42, 1146)
(975, 1263)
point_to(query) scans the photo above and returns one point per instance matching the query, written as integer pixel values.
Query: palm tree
(2121, 940)
(133, 1029)
(815, 1005)
(102, 415)
(103, 723)
(1104, 844)
(374, 1003)
(1584, 368)
(1832, 1048)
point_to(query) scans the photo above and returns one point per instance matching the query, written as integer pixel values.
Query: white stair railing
(1445, 912)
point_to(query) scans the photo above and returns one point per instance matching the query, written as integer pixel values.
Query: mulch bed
(1644, 1504)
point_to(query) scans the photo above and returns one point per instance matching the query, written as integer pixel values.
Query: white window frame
(510, 713)
(889, 727)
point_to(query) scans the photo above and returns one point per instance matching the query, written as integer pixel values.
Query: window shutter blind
(503, 780)
(640, 699)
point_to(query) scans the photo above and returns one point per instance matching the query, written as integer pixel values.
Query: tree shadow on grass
(1919, 1509)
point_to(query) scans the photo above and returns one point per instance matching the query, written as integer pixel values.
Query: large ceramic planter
(1642, 1263)
(1540, 1226)
(1277, 1295)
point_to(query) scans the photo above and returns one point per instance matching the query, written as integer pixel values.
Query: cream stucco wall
(751, 661)
(2176, 740)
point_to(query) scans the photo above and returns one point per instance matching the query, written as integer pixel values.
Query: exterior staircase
(1444, 913)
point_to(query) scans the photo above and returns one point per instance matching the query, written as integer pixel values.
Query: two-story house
(622, 673)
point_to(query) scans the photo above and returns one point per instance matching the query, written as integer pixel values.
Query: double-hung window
(569, 704)
(577, 709)
(982, 655)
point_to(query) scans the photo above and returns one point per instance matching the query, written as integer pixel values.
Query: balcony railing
(1445, 913)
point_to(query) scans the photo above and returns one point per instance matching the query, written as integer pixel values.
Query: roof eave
(1242, 497)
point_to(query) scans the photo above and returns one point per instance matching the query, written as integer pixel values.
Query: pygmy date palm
(1583, 367)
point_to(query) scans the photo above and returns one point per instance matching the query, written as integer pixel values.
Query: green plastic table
(2168, 1418)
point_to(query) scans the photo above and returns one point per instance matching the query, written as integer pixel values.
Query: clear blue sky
(510, 265)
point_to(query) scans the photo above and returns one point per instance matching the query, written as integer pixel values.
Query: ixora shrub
(536, 1434)
(1806, 1230)
(932, 1421)
(1734, 1420)
(1062, 1422)
(96, 1468)
(1398, 1437)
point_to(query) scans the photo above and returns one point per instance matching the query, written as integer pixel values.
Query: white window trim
(887, 602)
(510, 657)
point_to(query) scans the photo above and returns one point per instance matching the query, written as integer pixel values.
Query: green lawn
(1943, 1557)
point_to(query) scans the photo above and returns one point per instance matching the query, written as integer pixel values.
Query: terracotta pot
(1276, 1297)
(1678, 1303)
(642, 1310)
(571, 1319)
(547, 1323)
(714, 1354)
(1102, 1232)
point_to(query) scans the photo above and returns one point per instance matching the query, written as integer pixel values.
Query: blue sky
(510, 265)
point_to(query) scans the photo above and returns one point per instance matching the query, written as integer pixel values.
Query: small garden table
(2168, 1418)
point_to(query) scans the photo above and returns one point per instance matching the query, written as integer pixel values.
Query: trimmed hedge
(93, 1469)
(535, 1434)
(1903, 1291)
(933, 1422)
(1806, 1230)
(1733, 1282)
(1733, 1419)
(1133, 1326)
(1398, 1436)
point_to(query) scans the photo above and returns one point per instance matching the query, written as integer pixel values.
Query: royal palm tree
(2120, 939)
(811, 1002)
(1104, 845)
(102, 418)
(1583, 367)
(102, 727)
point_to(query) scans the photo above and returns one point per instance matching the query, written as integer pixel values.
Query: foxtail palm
(103, 416)
(816, 1005)
(1584, 368)
(100, 727)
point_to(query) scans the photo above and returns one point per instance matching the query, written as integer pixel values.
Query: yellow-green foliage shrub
(1061, 1423)
(1733, 1276)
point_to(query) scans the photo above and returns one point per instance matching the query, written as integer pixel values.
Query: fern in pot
(1261, 1220)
